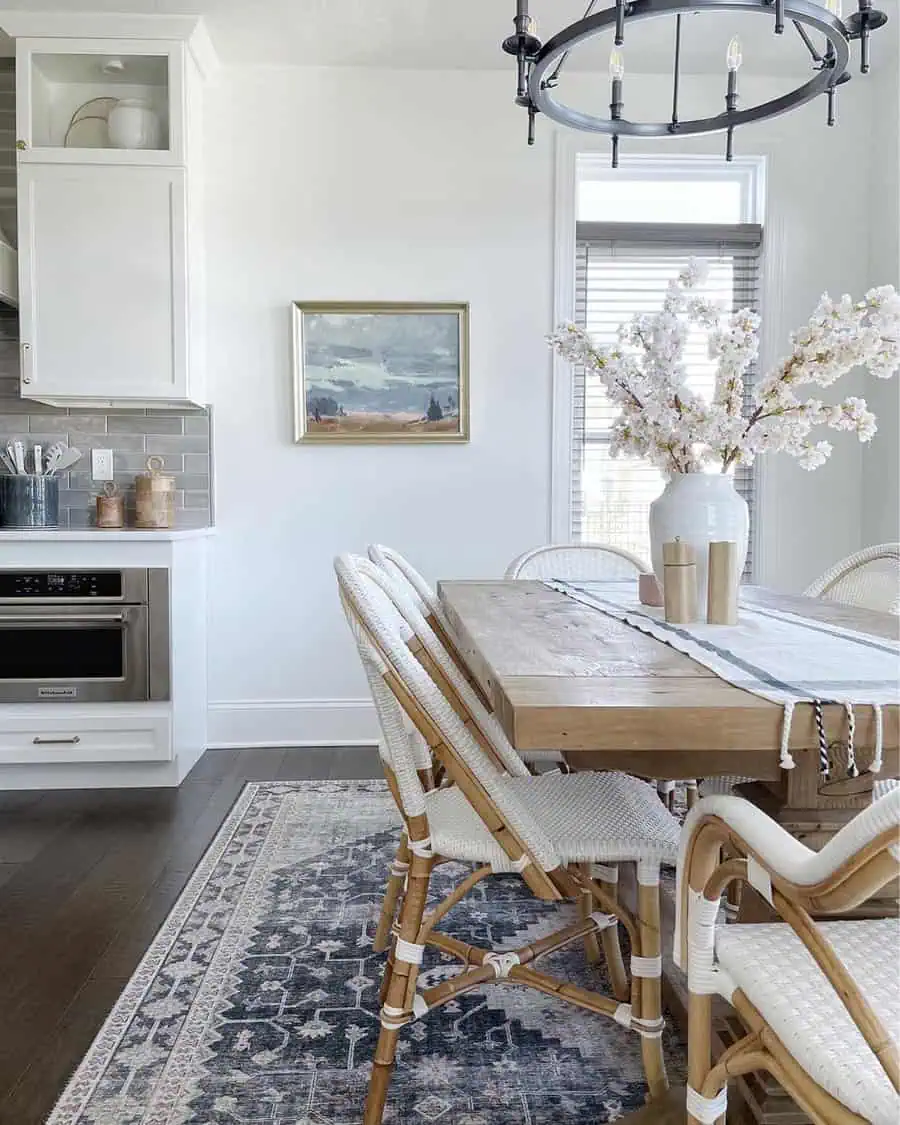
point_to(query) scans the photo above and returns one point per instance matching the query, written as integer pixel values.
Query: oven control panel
(46, 585)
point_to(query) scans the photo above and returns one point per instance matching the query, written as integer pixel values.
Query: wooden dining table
(564, 676)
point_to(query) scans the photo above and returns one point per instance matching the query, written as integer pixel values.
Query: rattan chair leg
(651, 988)
(612, 949)
(403, 975)
(692, 793)
(733, 900)
(397, 879)
(388, 973)
(700, 866)
(733, 890)
(699, 1037)
(585, 906)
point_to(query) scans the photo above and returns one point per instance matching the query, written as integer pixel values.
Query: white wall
(419, 186)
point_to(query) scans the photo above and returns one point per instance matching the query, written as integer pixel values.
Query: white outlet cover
(101, 464)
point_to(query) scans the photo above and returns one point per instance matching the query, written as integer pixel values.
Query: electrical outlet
(101, 464)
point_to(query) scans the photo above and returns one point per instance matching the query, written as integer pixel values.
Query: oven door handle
(35, 620)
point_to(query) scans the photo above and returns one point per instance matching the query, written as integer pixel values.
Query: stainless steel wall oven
(84, 636)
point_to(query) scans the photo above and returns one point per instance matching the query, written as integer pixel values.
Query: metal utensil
(67, 460)
(37, 457)
(19, 456)
(56, 450)
(7, 462)
(11, 454)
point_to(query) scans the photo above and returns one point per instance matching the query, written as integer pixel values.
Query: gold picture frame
(380, 372)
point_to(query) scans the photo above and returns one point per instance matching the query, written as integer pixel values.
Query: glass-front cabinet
(100, 101)
(109, 284)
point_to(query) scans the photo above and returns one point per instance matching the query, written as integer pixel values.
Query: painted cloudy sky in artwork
(385, 363)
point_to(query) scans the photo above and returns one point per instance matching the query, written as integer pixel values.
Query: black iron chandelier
(539, 65)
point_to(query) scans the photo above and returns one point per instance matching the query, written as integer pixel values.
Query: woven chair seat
(589, 817)
(778, 975)
(723, 784)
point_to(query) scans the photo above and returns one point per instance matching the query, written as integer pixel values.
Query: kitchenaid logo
(57, 692)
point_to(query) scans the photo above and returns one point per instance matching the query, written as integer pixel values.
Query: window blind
(622, 269)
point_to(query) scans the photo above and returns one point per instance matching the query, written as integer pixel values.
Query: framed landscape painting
(387, 372)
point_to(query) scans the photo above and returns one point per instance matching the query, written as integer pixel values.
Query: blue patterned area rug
(257, 1002)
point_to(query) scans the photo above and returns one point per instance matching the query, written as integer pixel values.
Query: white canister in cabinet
(133, 123)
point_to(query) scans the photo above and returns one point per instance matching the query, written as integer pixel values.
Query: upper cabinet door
(100, 101)
(103, 299)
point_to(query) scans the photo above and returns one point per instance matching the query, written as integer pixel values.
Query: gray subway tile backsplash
(180, 437)
(169, 443)
(142, 424)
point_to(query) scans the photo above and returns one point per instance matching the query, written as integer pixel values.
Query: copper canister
(110, 507)
(154, 496)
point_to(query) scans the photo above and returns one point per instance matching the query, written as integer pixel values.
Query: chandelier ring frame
(811, 15)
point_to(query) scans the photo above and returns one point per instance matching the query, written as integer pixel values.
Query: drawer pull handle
(73, 741)
(36, 620)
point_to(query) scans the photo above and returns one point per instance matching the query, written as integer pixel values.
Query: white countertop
(95, 534)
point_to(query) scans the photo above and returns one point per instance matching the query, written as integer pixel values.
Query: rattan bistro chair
(425, 615)
(585, 561)
(821, 1001)
(869, 579)
(547, 829)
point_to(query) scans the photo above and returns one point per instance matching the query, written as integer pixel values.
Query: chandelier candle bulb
(733, 60)
(722, 585)
(679, 582)
(616, 74)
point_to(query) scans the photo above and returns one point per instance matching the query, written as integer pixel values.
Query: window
(633, 233)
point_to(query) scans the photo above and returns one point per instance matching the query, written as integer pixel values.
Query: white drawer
(89, 737)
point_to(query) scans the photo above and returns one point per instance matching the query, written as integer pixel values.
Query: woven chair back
(870, 579)
(392, 562)
(432, 653)
(383, 635)
(587, 562)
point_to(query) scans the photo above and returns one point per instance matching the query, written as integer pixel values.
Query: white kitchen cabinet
(66, 88)
(76, 734)
(103, 285)
(110, 264)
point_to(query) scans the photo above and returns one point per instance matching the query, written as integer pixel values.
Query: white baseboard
(291, 722)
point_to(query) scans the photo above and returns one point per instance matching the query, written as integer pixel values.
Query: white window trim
(569, 146)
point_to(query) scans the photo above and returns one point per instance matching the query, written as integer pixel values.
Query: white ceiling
(437, 34)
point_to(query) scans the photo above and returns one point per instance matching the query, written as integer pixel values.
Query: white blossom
(663, 421)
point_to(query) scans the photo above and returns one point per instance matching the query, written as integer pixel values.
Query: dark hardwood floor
(86, 879)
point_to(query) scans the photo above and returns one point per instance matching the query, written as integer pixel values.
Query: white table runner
(779, 656)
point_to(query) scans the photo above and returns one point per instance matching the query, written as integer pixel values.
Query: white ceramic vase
(133, 124)
(699, 508)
